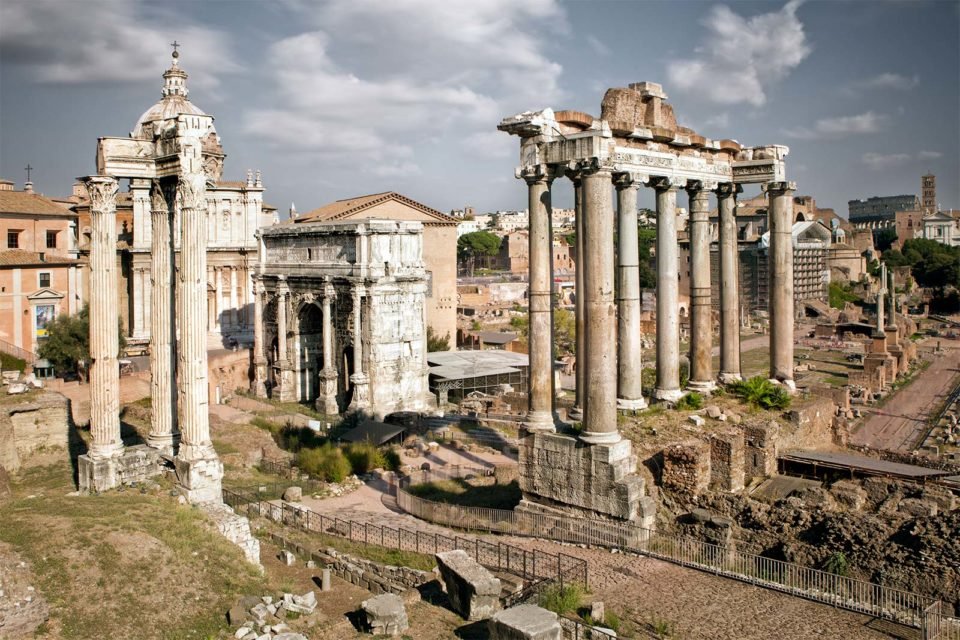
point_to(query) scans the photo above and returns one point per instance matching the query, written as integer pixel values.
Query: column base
(199, 480)
(789, 385)
(164, 444)
(629, 404)
(667, 395)
(601, 437)
(134, 464)
(540, 422)
(702, 386)
(285, 391)
(730, 378)
(259, 385)
(327, 402)
(575, 413)
(361, 392)
(105, 451)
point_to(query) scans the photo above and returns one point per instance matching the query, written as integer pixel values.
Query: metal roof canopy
(862, 464)
(372, 431)
(457, 365)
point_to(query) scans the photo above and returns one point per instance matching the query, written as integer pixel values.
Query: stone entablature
(341, 316)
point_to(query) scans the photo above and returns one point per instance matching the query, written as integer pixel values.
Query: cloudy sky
(336, 99)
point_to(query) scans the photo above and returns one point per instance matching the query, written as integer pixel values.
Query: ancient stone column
(359, 380)
(581, 339)
(729, 284)
(104, 320)
(164, 434)
(701, 310)
(888, 284)
(327, 402)
(259, 386)
(668, 293)
(198, 468)
(600, 401)
(881, 294)
(780, 196)
(284, 390)
(630, 368)
(540, 333)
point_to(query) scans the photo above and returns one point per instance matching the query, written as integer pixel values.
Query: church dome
(173, 103)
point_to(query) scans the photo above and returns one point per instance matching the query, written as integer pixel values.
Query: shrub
(760, 392)
(364, 457)
(391, 459)
(326, 462)
(837, 564)
(561, 599)
(692, 400)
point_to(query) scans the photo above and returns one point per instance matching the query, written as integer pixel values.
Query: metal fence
(937, 625)
(529, 565)
(872, 599)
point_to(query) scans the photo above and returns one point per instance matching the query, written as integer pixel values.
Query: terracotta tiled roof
(30, 203)
(20, 258)
(345, 208)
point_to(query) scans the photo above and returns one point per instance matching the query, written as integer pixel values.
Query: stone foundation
(135, 464)
(563, 473)
(235, 528)
(686, 467)
(199, 480)
(726, 462)
(33, 421)
(525, 622)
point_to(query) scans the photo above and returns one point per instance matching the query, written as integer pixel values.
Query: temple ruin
(636, 142)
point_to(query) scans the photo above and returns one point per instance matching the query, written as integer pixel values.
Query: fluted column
(104, 320)
(888, 284)
(701, 311)
(259, 386)
(359, 380)
(630, 366)
(729, 284)
(194, 416)
(668, 293)
(285, 389)
(581, 340)
(780, 196)
(327, 402)
(600, 408)
(881, 295)
(540, 333)
(164, 434)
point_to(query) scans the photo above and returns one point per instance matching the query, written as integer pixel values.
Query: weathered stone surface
(235, 528)
(713, 411)
(474, 592)
(39, 420)
(293, 494)
(525, 622)
(686, 467)
(385, 615)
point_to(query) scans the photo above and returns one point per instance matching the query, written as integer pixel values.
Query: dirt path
(693, 604)
(901, 421)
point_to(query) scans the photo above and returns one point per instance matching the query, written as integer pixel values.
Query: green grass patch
(462, 492)
(561, 599)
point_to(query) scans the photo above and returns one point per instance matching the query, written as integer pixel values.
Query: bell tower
(928, 193)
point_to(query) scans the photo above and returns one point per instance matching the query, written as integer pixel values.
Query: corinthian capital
(668, 183)
(102, 191)
(158, 199)
(535, 173)
(727, 189)
(193, 191)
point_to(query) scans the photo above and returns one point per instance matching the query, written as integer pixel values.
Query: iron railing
(848, 593)
(528, 565)
(937, 625)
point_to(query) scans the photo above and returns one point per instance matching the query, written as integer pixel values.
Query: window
(51, 239)
(44, 279)
(13, 239)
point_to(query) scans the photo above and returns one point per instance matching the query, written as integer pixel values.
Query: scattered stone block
(293, 494)
(714, 411)
(597, 611)
(525, 622)
(303, 604)
(287, 636)
(697, 420)
(385, 615)
(917, 507)
(474, 592)
(288, 558)
(849, 494)
(237, 615)
(325, 580)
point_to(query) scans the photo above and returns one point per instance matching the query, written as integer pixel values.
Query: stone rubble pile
(385, 615)
(264, 618)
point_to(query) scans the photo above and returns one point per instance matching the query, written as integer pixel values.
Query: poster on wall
(44, 316)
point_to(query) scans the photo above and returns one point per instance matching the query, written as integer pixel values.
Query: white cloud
(454, 69)
(598, 46)
(741, 57)
(130, 42)
(890, 81)
(720, 120)
(868, 122)
(880, 161)
(929, 155)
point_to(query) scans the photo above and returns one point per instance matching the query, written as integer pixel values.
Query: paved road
(903, 418)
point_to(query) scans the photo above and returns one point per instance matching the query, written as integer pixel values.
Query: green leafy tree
(435, 342)
(884, 238)
(564, 331)
(67, 344)
(479, 244)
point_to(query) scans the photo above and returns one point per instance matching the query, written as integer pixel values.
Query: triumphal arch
(635, 143)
